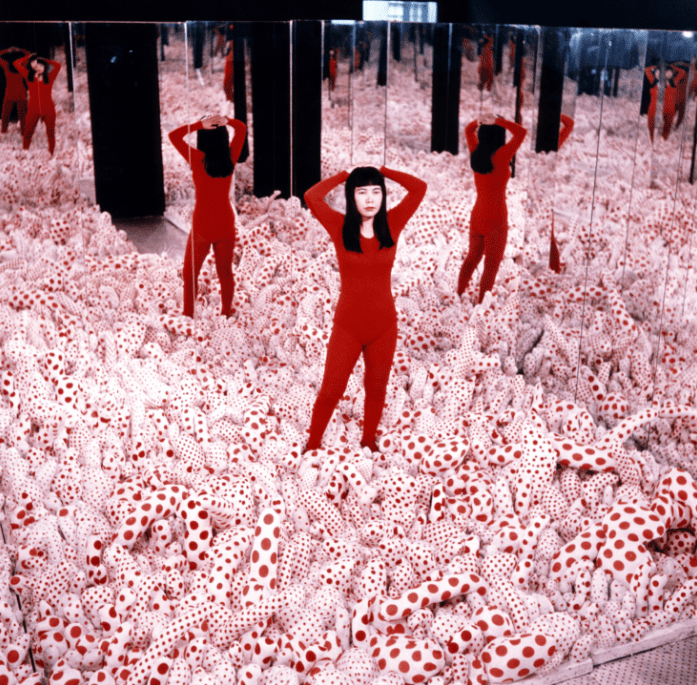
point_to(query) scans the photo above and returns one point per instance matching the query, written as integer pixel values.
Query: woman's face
(368, 200)
(37, 66)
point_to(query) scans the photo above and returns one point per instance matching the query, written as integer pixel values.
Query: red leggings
(7, 110)
(196, 252)
(343, 351)
(32, 120)
(488, 240)
(668, 111)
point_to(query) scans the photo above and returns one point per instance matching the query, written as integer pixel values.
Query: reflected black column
(239, 81)
(445, 95)
(271, 108)
(382, 59)
(125, 113)
(307, 104)
(197, 35)
(396, 40)
(551, 88)
(68, 56)
(35, 37)
(325, 50)
(500, 38)
(164, 40)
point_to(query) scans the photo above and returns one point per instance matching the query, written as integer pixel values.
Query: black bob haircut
(359, 177)
(491, 138)
(215, 145)
(31, 70)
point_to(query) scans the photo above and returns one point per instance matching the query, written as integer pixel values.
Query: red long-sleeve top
(40, 98)
(213, 217)
(14, 81)
(491, 187)
(366, 304)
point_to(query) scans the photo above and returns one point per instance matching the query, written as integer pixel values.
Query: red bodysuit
(670, 99)
(228, 73)
(365, 319)
(40, 105)
(15, 90)
(213, 222)
(652, 76)
(681, 93)
(486, 65)
(554, 259)
(332, 72)
(489, 219)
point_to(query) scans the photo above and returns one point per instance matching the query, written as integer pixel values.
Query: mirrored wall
(599, 205)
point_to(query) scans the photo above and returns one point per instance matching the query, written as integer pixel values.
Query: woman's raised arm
(177, 138)
(55, 68)
(314, 199)
(471, 135)
(511, 147)
(21, 65)
(239, 134)
(416, 190)
(651, 75)
(567, 126)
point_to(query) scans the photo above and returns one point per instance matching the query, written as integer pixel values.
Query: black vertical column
(197, 36)
(125, 113)
(164, 40)
(307, 105)
(382, 57)
(271, 107)
(551, 88)
(500, 38)
(445, 94)
(68, 55)
(396, 40)
(239, 80)
(325, 49)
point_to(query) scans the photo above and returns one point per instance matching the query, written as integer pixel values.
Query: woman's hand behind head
(214, 121)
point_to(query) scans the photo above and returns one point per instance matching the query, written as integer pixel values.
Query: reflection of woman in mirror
(219, 46)
(332, 69)
(212, 163)
(693, 84)
(228, 73)
(675, 75)
(40, 75)
(15, 88)
(490, 158)
(652, 74)
(681, 92)
(365, 240)
(486, 64)
(567, 124)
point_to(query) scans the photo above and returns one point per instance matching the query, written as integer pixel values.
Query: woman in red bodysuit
(365, 241)
(554, 258)
(228, 87)
(15, 88)
(681, 92)
(674, 76)
(652, 74)
(490, 158)
(332, 69)
(213, 223)
(40, 75)
(486, 64)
